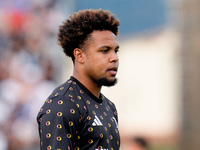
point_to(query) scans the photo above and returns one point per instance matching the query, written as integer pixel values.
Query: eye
(104, 51)
(116, 51)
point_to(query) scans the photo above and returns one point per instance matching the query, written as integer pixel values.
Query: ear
(79, 55)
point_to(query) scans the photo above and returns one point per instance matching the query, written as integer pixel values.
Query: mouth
(112, 71)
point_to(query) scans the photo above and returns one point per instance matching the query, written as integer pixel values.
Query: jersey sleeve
(58, 120)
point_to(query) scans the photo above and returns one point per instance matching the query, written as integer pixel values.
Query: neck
(90, 84)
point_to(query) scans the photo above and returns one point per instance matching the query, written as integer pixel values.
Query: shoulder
(61, 100)
(61, 90)
(59, 97)
(109, 102)
(110, 106)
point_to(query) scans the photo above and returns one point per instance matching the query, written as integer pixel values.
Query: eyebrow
(108, 47)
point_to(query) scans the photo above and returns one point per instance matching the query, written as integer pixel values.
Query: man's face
(101, 61)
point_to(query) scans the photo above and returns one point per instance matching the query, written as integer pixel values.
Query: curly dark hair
(75, 30)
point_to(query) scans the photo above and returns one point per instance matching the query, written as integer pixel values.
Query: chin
(106, 82)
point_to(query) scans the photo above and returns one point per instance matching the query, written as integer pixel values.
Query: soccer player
(77, 115)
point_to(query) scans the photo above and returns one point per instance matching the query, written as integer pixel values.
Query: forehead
(103, 38)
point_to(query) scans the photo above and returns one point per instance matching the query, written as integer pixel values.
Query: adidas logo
(96, 122)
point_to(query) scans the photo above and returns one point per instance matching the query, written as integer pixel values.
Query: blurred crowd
(27, 70)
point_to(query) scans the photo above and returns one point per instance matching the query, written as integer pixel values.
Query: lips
(113, 71)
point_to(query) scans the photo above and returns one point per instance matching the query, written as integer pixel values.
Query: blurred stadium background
(157, 95)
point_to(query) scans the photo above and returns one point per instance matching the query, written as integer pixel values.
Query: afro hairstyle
(75, 30)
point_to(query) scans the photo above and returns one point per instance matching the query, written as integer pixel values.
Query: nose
(114, 57)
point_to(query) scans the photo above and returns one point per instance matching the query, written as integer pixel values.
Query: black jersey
(72, 118)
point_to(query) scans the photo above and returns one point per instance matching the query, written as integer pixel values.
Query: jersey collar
(99, 100)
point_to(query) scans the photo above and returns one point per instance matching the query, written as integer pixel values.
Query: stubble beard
(105, 82)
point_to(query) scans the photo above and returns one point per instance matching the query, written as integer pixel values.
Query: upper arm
(59, 121)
